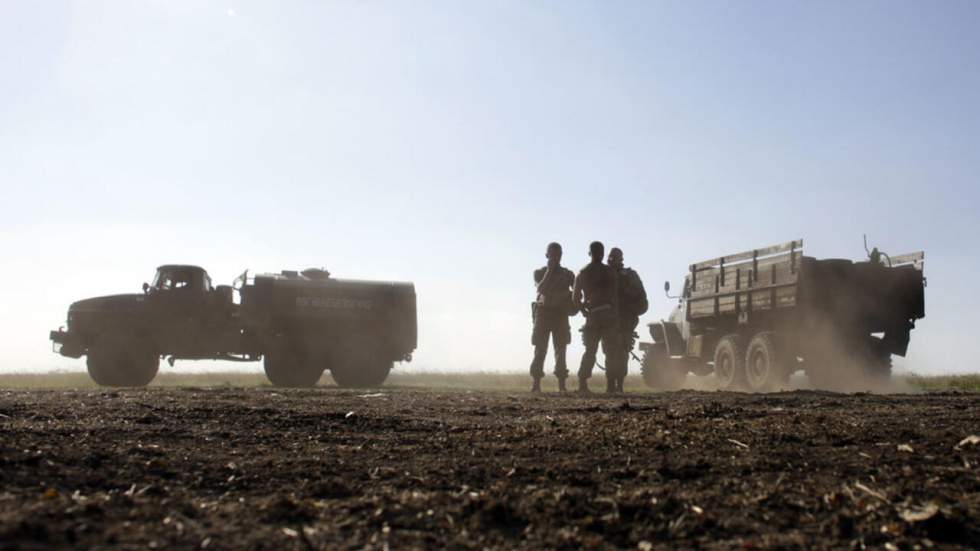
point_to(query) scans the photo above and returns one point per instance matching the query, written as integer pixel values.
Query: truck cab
(179, 313)
(179, 285)
(180, 278)
(185, 290)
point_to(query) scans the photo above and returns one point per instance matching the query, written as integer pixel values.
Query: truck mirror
(666, 286)
(146, 287)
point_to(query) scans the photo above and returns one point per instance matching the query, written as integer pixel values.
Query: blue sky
(447, 142)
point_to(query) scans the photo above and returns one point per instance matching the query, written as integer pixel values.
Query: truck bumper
(64, 343)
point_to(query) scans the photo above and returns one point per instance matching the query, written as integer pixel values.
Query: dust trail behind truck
(754, 318)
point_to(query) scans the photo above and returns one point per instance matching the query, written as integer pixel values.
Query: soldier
(595, 293)
(632, 304)
(550, 312)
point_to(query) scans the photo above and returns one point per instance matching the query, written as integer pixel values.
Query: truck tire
(659, 371)
(360, 362)
(118, 360)
(853, 370)
(286, 364)
(730, 363)
(361, 375)
(828, 370)
(879, 368)
(876, 367)
(764, 369)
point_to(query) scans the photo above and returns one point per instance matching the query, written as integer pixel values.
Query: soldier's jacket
(556, 292)
(597, 284)
(632, 295)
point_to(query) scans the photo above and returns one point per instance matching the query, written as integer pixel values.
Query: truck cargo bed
(743, 283)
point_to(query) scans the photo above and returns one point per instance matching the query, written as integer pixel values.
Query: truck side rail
(764, 252)
(916, 259)
(760, 279)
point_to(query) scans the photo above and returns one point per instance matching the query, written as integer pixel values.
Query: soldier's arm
(577, 291)
(538, 276)
(639, 285)
(614, 299)
(546, 279)
(642, 293)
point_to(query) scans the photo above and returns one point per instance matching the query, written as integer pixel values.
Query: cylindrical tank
(329, 310)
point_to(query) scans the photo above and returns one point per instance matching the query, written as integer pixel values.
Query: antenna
(874, 255)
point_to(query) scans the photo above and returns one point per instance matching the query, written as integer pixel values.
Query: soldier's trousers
(550, 322)
(600, 327)
(618, 367)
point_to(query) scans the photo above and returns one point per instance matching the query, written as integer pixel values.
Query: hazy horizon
(447, 144)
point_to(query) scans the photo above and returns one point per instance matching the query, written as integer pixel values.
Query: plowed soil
(266, 468)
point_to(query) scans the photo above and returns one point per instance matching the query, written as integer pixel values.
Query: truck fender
(669, 334)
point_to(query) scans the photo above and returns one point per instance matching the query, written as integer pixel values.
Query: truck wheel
(763, 367)
(730, 363)
(849, 371)
(659, 371)
(876, 366)
(287, 365)
(360, 362)
(365, 376)
(117, 360)
(827, 371)
(880, 368)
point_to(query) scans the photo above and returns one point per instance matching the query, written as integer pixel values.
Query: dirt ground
(325, 468)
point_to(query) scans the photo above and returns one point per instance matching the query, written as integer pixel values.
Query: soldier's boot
(583, 386)
(536, 386)
(561, 385)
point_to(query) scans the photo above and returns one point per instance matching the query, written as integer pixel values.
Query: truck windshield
(166, 280)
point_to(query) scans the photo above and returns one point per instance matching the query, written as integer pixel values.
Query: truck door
(178, 301)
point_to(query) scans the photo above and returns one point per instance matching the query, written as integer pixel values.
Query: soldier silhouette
(550, 311)
(595, 293)
(632, 304)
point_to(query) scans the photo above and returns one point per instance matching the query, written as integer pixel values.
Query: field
(908, 383)
(432, 460)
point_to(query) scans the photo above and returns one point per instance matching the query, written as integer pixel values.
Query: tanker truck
(754, 318)
(299, 324)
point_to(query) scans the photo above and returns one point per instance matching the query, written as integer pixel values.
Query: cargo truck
(299, 324)
(754, 318)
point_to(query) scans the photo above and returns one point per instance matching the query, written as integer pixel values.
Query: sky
(446, 143)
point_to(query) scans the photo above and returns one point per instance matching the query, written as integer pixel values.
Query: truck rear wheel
(764, 370)
(878, 368)
(858, 368)
(361, 375)
(287, 364)
(118, 360)
(660, 371)
(360, 363)
(730, 363)
(828, 370)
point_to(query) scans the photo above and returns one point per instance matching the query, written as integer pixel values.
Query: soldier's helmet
(616, 257)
